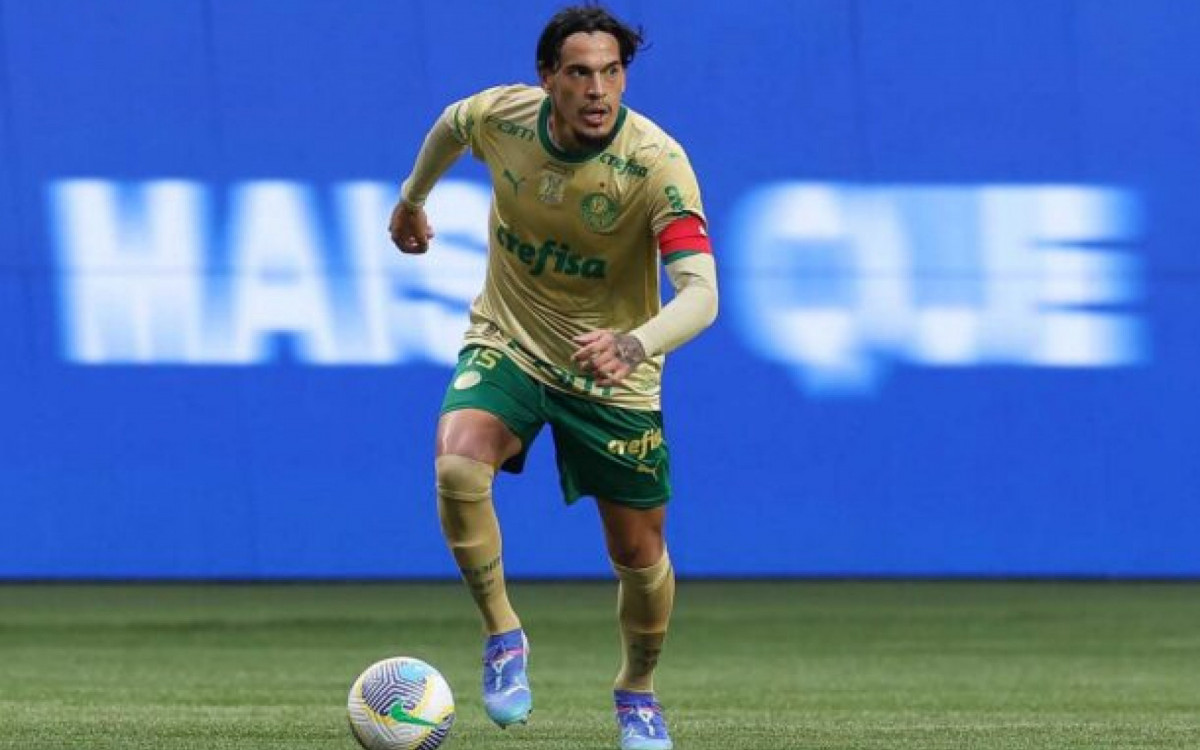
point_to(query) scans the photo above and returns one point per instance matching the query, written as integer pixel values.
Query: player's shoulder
(509, 100)
(650, 144)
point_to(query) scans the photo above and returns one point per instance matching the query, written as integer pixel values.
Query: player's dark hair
(587, 18)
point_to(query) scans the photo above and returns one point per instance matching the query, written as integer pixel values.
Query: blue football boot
(641, 721)
(506, 693)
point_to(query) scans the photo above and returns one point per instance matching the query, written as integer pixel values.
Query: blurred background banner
(957, 245)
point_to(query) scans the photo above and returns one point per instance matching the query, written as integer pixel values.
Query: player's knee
(637, 550)
(463, 479)
(646, 578)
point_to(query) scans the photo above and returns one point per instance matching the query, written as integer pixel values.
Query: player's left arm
(677, 217)
(687, 255)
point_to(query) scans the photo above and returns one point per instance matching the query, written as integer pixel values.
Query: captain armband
(685, 236)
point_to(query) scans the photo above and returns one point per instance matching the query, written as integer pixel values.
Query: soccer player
(588, 198)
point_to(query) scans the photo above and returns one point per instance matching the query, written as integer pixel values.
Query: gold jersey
(572, 240)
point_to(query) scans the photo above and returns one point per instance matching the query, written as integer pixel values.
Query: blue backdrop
(956, 244)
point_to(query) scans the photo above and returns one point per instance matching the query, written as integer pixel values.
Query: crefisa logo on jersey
(551, 255)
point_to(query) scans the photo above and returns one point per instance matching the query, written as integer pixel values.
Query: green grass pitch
(765, 666)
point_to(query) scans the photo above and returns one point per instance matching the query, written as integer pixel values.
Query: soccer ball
(400, 704)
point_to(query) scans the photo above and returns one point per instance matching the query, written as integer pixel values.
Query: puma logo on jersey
(516, 183)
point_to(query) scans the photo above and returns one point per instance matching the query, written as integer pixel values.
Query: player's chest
(591, 198)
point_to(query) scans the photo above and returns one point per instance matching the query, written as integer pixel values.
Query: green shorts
(603, 451)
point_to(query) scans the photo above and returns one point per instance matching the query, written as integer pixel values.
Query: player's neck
(575, 148)
(558, 144)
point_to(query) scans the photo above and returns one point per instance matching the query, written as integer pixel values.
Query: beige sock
(464, 489)
(644, 601)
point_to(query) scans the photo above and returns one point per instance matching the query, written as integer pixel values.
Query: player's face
(585, 91)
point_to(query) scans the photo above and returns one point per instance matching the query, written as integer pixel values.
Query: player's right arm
(409, 225)
(444, 144)
(452, 134)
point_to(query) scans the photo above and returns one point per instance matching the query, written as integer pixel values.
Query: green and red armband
(685, 236)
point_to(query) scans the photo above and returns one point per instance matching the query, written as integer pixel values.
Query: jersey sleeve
(675, 192)
(464, 116)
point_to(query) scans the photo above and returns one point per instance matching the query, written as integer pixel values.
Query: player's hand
(410, 228)
(607, 355)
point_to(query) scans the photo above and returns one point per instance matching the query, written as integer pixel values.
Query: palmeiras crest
(599, 211)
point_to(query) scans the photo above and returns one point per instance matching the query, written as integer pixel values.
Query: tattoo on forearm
(629, 349)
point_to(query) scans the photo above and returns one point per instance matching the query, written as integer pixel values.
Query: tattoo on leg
(643, 658)
(481, 579)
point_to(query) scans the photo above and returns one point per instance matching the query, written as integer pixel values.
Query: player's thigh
(476, 434)
(489, 411)
(633, 536)
(606, 452)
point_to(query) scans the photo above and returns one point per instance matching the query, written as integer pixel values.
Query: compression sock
(464, 489)
(644, 601)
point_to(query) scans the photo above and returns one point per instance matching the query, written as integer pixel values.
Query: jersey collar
(558, 153)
